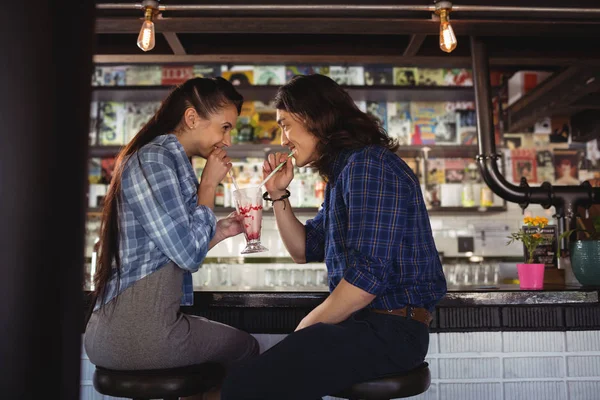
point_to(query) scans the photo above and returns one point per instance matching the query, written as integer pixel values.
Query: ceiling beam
(552, 97)
(372, 26)
(415, 43)
(175, 43)
(440, 62)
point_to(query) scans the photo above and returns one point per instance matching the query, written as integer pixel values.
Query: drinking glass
(249, 206)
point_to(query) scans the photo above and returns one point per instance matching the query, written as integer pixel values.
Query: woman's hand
(277, 185)
(216, 168)
(227, 227)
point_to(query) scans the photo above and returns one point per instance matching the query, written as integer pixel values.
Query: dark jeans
(323, 359)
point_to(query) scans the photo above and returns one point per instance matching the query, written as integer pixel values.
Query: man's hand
(341, 303)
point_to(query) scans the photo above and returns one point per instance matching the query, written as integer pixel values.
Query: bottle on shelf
(319, 191)
(220, 195)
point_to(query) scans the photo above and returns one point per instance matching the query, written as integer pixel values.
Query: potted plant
(585, 253)
(531, 275)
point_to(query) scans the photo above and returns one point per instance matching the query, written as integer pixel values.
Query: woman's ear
(191, 118)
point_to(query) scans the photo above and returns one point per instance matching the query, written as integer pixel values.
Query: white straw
(233, 179)
(275, 170)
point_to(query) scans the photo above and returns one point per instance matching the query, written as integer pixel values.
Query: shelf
(439, 151)
(223, 211)
(565, 93)
(265, 94)
(466, 210)
(260, 150)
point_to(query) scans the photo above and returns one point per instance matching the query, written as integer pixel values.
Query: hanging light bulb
(448, 40)
(145, 40)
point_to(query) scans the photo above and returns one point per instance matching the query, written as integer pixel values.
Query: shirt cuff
(207, 216)
(363, 278)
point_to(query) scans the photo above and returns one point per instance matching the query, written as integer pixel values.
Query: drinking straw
(275, 170)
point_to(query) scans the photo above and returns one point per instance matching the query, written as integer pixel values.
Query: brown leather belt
(418, 314)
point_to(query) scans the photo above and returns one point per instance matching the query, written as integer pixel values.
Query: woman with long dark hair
(158, 224)
(374, 235)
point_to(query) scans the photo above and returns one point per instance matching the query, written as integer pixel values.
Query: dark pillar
(45, 72)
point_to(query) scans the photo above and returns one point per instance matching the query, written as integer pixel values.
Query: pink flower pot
(531, 276)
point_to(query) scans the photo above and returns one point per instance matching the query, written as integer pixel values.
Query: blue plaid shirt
(159, 218)
(374, 231)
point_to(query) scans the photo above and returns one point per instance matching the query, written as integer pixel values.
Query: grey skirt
(143, 328)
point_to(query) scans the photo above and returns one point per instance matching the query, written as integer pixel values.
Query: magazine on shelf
(267, 130)
(94, 120)
(112, 123)
(239, 75)
(545, 165)
(436, 171)
(269, 75)
(466, 127)
(379, 111)
(560, 130)
(405, 76)
(424, 119)
(458, 77)
(379, 75)
(430, 77)
(400, 122)
(347, 76)
(593, 154)
(110, 76)
(137, 115)
(524, 164)
(455, 170)
(566, 167)
(246, 124)
(176, 74)
(207, 71)
(445, 125)
(94, 170)
(144, 75)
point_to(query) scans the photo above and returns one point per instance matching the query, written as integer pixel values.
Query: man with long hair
(373, 233)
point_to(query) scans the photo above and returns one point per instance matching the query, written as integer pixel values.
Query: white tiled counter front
(489, 365)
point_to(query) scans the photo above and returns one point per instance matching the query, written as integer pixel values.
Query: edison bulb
(145, 39)
(447, 37)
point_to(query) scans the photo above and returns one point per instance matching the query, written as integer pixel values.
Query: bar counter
(463, 309)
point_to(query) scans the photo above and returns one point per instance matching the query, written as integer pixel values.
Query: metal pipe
(565, 199)
(350, 7)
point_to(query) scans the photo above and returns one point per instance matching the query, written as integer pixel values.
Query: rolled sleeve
(155, 197)
(315, 239)
(374, 201)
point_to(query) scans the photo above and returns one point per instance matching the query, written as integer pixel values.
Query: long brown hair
(206, 96)
(331, 115)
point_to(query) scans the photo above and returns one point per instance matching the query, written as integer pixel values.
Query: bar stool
(411, 383)
(167, 384)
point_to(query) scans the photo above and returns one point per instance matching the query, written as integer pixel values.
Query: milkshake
(251, 217)
(248, 203)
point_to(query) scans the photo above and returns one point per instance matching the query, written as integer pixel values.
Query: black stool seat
(411, 383)
(158, 383)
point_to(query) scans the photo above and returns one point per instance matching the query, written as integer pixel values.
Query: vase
(585, 261)
(531, 276)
